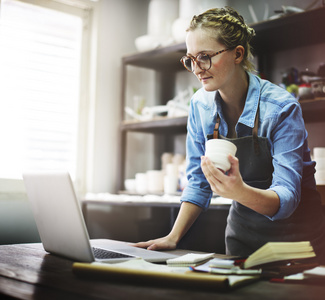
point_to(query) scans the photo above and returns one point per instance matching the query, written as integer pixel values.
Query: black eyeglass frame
(194, 59)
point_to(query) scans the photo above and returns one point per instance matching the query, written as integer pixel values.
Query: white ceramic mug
(320, 177)
(155, 181)
(320, 164)
(319, 152)
(141, 183)
(217, 150)
(170, 184)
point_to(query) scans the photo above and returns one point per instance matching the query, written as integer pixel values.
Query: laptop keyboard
(106, 254)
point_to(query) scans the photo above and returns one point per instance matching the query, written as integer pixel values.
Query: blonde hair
(229, 29)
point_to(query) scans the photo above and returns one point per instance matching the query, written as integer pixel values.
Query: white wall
(119, 23)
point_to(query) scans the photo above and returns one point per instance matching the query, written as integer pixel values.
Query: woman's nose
(196, 69)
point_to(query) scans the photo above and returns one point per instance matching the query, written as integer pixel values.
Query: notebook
(190, 259)
(61, 225)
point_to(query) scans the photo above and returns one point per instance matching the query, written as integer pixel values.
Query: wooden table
(28, 272)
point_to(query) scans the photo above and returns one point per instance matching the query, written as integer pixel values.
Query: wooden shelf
(296, 30)
(158, 125)
(161, 59)
(313, 110)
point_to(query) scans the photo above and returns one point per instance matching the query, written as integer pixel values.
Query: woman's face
(222, 69)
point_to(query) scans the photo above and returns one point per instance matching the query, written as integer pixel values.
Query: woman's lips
(204, 79)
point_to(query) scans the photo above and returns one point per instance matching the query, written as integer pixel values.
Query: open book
(274, 259)
(279, 251)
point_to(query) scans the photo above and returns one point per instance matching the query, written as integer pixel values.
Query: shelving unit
(288, 32)
(296, 30)
(166, 62)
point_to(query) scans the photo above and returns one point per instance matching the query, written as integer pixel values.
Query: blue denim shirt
(280, 121)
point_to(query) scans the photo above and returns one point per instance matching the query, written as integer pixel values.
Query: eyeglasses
(203, 60)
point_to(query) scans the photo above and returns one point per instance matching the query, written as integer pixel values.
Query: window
(40, 102)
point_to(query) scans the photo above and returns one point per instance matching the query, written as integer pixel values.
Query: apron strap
(255, 136)
(216, 129)
(215, 134)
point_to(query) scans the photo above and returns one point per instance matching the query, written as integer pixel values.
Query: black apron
(248, 230)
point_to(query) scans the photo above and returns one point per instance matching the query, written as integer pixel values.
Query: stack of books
(274, 259)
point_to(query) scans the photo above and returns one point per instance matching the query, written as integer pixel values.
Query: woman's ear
(239, 52)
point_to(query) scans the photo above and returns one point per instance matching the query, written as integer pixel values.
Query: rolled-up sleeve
(288, 140)
(198, 190)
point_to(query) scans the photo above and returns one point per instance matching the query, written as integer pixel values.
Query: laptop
(62, 228)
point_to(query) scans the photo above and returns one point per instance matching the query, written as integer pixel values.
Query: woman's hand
(232, 186)
(164, 243)
(227, 186)
(187, 215)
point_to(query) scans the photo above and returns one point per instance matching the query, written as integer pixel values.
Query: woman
(271, 179)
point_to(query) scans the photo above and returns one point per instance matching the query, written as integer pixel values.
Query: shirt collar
(252, 100)
(251, 104)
